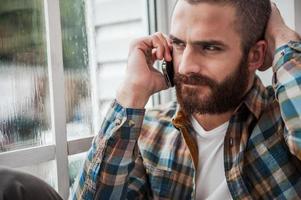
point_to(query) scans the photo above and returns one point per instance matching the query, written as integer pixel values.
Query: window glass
(25, 119)
(76, 69)
(24, 103)
(75, 165)
(77, 77)
(45, 171)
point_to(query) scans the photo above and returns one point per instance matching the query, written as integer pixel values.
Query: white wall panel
(116, 11)
(116, 23)
(110, 76)
(112, 50)
(298, 16)
(132, 28)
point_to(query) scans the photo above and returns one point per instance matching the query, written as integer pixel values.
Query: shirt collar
(258, 98)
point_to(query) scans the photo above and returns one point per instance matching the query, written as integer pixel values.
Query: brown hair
(252, 18)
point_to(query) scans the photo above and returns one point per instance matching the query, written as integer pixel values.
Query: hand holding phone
(141, 79)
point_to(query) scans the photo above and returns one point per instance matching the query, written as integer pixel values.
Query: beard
(222, 97)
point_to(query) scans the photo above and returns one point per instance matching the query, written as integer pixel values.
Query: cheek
(219, 69)
(222, 68)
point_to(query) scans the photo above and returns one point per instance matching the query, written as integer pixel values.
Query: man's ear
(256, 56)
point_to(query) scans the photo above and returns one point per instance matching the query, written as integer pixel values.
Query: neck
(210, 122)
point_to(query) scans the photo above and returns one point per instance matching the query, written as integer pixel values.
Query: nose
(189, 62)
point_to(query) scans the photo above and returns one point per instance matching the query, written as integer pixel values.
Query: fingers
(274, 7)
(276, 12)
(157, 44)
(166, 46)
(277, 32)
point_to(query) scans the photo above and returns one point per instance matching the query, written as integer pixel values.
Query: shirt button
(282, 53)
(131, 123)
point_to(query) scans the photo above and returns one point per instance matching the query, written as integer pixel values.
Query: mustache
(194, 79)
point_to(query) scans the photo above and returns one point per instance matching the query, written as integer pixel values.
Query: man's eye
(211, 48)
(179, 45)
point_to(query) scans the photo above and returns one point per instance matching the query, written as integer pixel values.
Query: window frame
(62, 147)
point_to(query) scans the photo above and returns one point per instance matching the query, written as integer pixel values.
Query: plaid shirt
(153, 155)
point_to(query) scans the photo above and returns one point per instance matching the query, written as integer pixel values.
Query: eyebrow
(200, 43)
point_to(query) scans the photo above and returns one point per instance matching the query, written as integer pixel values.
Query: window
(25, 121)
(60, 62)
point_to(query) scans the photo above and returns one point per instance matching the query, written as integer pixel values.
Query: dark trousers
(16, 185)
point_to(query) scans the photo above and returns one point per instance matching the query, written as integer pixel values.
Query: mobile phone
(168, 72)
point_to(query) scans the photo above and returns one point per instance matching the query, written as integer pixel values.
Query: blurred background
(93, 38)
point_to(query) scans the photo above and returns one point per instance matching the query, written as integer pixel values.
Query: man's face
(211, 70)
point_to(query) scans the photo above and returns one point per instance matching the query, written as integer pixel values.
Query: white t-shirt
(210, 176)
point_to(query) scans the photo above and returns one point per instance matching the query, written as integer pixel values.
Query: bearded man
(227, 136)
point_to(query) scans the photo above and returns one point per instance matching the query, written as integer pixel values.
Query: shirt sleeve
(113, 168)
(287, 85)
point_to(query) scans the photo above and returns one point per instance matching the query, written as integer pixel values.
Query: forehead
(204, 21)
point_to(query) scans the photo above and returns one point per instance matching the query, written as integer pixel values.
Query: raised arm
(285, 49)
(114, 167)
